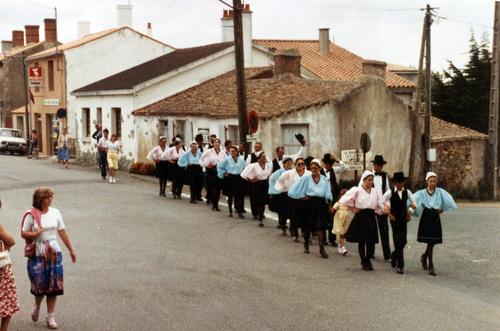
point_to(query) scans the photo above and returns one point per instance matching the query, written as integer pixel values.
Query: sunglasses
(300, 164)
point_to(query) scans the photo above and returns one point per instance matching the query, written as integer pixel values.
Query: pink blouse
(358, 197)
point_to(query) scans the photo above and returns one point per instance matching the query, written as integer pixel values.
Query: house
(142, 85)
(330, 114)
(78, 63)
(12, 71)
(461, 155)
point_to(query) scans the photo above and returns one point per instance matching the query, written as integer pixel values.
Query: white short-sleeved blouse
(52, 222)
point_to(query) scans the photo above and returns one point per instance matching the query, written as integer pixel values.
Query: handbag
(30, 245)
(4, 257)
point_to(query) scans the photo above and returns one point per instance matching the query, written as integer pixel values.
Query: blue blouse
(440, 199)
(188, 159)
(273, 180)
(230, 166)
(307, 186)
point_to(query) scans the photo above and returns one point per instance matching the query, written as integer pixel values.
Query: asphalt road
(151, 263)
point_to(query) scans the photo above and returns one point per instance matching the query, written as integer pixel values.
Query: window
(51, 75)
(86, 122)
(98, 116)
(180, 128)
(233, 133)
(116, 122)
(163, 129)
(288, 132)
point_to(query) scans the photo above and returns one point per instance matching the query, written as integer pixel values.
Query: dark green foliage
(461, 96)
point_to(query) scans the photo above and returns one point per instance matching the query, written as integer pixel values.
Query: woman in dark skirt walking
(257, 174)
(173, 154)
(314, 189)
(431, 202)
(209, 159)
(229, 171)
(161, 164)
(278, 201)
(190, 161)
(365, 202)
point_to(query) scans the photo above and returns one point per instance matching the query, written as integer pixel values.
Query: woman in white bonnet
(431, 202)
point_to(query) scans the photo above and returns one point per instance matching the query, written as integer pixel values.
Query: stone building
(12, 73)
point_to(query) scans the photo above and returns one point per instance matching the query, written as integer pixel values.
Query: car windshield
(10, 133)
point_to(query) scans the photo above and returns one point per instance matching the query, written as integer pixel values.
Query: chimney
(374, 68)
(324, 41)
(83, 28)
(286, 63)
(124, 15)
(32, 33)
(6, 46)
(149, 30)
(50, 29)
(17, 38)
(227, 22)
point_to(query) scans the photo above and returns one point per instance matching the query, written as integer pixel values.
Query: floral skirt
(46, 275)
(9, 304)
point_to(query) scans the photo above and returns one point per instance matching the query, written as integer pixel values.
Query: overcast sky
(388, 30)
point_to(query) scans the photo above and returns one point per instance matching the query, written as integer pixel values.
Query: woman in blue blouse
(431, 202)
(194, 172)
(277, 199)
(229, 171)
(315, 190)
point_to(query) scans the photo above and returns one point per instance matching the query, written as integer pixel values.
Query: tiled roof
(446, 131)
(400, 67)
(269, 97)
(19, 50)
(84, 40)
(161, 65)
(338, 64)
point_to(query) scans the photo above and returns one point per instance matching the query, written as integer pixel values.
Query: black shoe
(255, 217)
(400, 271)
(283, 233)
(323, 254)
(163, 195)
(423, 260)
(393, 263)
(432, 272)
(199, 199)
(192, 201)
(369, 267)
(261, 225)
(278, 226)
(241, 216)
(296, 239)
(230, 215)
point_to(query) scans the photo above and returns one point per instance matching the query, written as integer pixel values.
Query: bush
(143, 168)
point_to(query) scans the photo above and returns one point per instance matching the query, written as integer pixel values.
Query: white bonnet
(430, 174)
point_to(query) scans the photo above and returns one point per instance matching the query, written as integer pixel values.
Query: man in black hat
(331, 172)
(396, 202)
(381, 184)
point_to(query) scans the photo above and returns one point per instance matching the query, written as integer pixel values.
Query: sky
(387, 30)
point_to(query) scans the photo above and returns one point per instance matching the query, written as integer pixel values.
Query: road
(152, 263)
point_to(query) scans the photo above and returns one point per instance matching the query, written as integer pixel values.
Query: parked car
(12, 141)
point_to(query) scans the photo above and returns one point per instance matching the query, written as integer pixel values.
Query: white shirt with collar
(294, 157)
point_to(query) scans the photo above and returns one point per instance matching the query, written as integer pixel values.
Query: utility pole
(493, 157)
(240, 72)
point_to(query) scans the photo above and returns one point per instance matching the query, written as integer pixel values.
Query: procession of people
(306, 195)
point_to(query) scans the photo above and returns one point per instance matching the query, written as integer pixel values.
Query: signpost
(35, 76)
(352, 158)
(366, 144)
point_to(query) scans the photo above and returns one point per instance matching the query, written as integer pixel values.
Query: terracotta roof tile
(269, 97)
(446, 131)
(400, 67)
(19, 50)
(338, 64)
(129, 78)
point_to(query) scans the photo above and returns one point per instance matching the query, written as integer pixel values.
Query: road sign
(353, 158)
(251, 138)
(365, 142)
(35, 76)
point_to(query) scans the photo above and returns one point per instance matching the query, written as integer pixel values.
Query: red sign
(35, 76)
(253, 122)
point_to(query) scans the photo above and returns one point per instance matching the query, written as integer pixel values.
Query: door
(288, 132)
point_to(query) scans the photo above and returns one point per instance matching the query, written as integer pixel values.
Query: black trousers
(398, 256)
(103, 162)
(195, 176)
(178, 179)
(383, 229)
(366, 250)
(253, 207)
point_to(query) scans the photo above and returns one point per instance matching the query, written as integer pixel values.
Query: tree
(461, 96)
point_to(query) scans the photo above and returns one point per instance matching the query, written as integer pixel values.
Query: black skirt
(429, 228)
(161, 169)
(314, 214)
(363, 227)
(212, 179)
(194, 174)
(259, 192)
(232, 185)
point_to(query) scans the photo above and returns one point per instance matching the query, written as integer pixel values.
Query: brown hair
(41, 194)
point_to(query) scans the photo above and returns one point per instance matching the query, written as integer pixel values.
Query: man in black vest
(399, 215)
(331, 172)
(280, 155)
(381, 184)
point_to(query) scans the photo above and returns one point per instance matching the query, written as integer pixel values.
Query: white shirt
(249, 158)
(338, 170)
(113, 147)
(156, 154)
(255, 171)
(288, 178)
(386, 198)
(52, 222)
(211, 158)
(294, 157)
(172, 154)
(103, 142)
